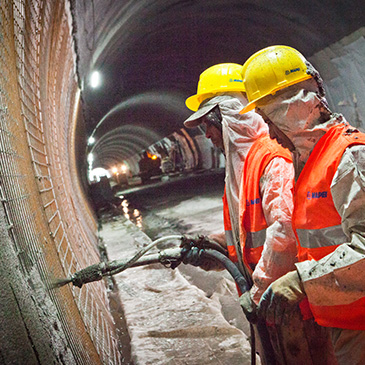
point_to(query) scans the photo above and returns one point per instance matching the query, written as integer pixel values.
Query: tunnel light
(123, 168)
(154, 157)
(91, 140)
(95, 79)
(114, 170)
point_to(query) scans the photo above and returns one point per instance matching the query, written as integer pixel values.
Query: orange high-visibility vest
(316, 222)
(231, 248)
(232, 253)
(253, 223)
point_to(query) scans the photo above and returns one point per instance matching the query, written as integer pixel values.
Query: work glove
(202, 241)
(192, 256)
(281, 298)
(248, 306)
(218, 238)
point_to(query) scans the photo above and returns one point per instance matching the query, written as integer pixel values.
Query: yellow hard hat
(272, 69)
(220, 78)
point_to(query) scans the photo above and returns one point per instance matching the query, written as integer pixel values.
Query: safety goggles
(213, 117)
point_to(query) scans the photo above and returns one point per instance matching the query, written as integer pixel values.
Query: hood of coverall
(301, 112)
(239, 133)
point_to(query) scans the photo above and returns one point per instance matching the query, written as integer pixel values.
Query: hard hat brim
(195, 119)
(248, 107)
(193, 102)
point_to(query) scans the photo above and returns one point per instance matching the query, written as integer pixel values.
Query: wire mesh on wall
(49, 220)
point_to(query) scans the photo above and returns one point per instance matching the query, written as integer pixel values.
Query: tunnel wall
(47, 227)
(342, 67)
(194, 151)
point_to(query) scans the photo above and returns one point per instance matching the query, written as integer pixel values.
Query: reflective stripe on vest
(317, 243)
(252, 219)
(329, 236)
(232, 254)
(256, 239)
(316, 222)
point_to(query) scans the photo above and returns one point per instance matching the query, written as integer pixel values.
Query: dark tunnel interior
(150, 54)
(87, 87)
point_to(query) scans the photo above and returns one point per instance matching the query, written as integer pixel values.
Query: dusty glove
(191, 253)
(202, 241)
(218, 238)
(192, 256)
(248, 307)
(281, 298)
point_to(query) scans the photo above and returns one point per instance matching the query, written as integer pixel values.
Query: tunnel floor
(181, 316)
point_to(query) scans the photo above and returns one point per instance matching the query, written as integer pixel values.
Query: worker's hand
(192, 256)
(219, 238)
(192, 253)
(202, 241)
(248, 306)
(281, 298)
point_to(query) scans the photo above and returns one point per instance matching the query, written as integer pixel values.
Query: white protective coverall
(302, 115)
(239, 133)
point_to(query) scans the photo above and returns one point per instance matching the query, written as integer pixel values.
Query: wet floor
(187, 205)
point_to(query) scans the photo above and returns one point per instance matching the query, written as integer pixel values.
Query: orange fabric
(253, 255)
(232, 253)
(252, 217)
(314, 253)
(349, 316)
(305, 309)
(226, 217)
(314, 209)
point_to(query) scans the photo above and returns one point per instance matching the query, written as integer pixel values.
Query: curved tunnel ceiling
(126, 140)
(150, 55)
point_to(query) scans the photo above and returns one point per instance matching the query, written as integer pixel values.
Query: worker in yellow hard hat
(329, 215)
(267, 249)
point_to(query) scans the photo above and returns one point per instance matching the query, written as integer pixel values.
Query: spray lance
(97, 271)
(191, 251)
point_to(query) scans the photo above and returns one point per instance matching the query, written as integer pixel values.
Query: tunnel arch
(169, 104)
(150, 54)
(127, 139)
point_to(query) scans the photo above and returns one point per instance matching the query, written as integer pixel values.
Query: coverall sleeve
(338, 278)
(279, 251)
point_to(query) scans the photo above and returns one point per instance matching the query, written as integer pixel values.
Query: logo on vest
(252, 201)
(316, 194)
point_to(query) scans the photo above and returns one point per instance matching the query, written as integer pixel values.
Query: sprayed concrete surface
(181, 316)
(30, 331)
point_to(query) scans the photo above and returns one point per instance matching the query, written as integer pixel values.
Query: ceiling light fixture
(95, 79)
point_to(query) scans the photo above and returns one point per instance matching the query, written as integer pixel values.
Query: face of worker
(275, 132)
(209, 123)
(213, 133)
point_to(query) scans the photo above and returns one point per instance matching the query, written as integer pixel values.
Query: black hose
(242, 284)
(230, 267)
(215, 246)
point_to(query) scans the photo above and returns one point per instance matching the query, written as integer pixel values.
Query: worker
(270, 253)
(329, 214)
